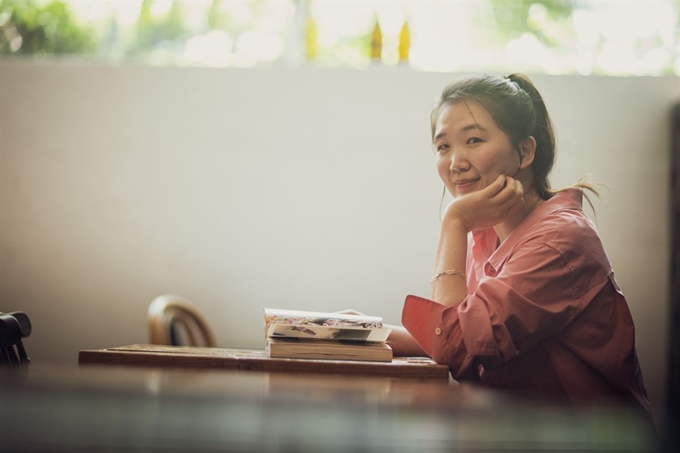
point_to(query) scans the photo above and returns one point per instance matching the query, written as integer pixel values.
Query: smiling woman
(523, 295)
(471, 148)
(515, 112)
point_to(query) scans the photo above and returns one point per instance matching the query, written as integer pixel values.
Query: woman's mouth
(465, 185)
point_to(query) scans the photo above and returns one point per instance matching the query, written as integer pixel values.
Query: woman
(523, 295)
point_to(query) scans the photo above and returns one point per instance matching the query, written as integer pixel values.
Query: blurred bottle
(311, 41)
(404, 43)
(376, 42)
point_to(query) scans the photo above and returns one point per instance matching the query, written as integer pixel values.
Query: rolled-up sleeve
(436, 328)
(532, 295)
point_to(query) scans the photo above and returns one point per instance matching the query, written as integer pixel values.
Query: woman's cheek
(443, 173)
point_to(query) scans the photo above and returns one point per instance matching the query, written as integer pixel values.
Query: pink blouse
(544, 316)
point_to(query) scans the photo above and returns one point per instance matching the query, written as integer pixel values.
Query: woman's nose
(459, 161)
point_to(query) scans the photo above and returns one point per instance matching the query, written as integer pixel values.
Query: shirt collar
(571, 198)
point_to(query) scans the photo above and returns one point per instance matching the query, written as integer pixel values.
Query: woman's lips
(465, 185)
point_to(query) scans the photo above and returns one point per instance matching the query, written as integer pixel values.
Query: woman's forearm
(451, 288)
(403, 344)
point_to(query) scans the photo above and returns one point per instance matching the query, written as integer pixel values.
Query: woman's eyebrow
(467, 128)
(473, 126)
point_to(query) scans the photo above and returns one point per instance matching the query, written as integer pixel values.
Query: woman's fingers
(489, 206)
(349, 311)
(512, 190)
(495, 187)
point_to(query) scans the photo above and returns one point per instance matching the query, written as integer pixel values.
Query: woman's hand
(401, 342)
(350, 312)
(489, 206)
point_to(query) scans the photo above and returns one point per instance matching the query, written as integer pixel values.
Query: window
(608, 37)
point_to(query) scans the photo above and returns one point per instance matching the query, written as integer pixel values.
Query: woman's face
(472, 151)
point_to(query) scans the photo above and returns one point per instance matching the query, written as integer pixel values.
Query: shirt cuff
(423, 320)
(436, 328)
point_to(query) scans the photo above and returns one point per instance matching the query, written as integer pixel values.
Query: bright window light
(590, 37)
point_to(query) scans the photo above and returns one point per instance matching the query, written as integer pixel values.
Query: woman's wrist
(455, 224)
(403, 344)
(449, 285)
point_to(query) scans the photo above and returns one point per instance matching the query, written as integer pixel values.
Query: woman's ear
(527, 149)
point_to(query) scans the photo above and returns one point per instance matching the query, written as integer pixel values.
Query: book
(324, 326)
(304, 348)
(320, 335)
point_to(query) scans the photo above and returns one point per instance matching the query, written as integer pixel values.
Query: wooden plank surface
(124, 408)
(256, 360)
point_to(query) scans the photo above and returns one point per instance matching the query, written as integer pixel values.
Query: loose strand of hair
(587, 188)
(441, 203)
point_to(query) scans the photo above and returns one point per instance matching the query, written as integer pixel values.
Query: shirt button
(438, 331)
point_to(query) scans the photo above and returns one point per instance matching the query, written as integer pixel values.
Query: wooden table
(421, 368)
(121, 408)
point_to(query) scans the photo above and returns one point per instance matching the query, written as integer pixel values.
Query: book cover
(324, 326)
(303, 348)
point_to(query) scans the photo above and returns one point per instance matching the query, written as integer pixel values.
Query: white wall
(307, 188)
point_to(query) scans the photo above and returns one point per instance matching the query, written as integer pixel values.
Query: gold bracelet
(449, 272)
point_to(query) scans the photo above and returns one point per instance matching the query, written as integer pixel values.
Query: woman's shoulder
(566, 245)
(571, 233)
(562, 218)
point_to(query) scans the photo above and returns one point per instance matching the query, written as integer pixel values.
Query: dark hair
(518, 109)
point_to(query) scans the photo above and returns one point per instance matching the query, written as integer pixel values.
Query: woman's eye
(442, 148)
(473, 140)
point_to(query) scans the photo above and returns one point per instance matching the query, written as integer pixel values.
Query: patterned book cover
(323, 326)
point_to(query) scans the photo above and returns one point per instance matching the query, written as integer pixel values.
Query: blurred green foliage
(152, 31)
(28, 27)
(219, 19)
(514, 18)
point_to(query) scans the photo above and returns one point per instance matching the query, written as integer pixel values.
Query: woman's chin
(465, 189)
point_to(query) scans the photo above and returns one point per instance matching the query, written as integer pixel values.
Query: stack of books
(295, 334)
